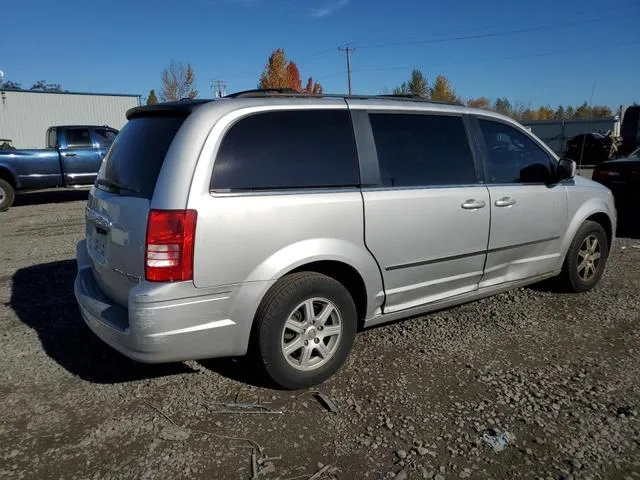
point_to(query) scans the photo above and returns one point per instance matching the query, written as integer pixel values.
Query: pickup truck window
(52, 138)
(78, 138)
(104, 137)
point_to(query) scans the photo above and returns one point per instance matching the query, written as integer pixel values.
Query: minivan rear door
(119, 203)
(427, 218)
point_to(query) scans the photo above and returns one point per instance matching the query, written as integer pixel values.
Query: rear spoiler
(181, 108)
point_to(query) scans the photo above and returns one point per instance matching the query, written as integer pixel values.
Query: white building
(25, 115)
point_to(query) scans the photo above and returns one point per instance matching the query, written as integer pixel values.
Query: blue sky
(537, 52)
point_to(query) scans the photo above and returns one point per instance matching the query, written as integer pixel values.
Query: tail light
(169, 245)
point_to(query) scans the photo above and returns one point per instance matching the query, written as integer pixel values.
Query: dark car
(622, 177)
(596, 148)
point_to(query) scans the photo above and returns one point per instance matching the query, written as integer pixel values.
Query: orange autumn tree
(280, 72)
(293, 77)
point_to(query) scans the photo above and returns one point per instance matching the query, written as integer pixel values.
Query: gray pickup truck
(72, 158)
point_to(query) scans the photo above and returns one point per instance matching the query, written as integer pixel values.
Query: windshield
(133, 163)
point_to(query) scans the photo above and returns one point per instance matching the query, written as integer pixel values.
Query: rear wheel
(7, 195)
(305, 327)
(586, 258)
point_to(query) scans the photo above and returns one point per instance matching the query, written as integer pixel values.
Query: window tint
(422, 150)
(78, 138)
(288, 149)
(512, 156)
(134, 161)
(104, 137)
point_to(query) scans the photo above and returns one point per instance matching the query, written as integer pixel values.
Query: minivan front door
(528, 209)
(427, 222)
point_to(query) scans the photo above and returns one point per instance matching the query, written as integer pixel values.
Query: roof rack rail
(288, 92)
(263, 92)
(410, 96)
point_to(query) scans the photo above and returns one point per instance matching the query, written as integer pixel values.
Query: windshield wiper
(115, 187)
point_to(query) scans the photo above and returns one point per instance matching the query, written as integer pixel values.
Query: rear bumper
(168, 322)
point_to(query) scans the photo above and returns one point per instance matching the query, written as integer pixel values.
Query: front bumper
(166, 322)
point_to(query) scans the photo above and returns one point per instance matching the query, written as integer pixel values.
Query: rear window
(133, 163)
(287, 150)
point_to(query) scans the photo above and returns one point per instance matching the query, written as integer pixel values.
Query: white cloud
(329, 7)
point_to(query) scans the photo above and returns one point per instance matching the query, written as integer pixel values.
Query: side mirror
(566, 169)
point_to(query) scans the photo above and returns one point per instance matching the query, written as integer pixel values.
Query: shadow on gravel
(628, 227)
(50, 196)
(239, 369)
(42, 297)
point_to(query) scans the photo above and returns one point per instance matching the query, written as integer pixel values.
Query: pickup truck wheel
(306, 325)
(7, 195)
(586, 258)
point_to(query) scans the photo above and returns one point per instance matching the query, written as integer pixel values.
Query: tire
(574, 276)
(7, 195)
(282, 320)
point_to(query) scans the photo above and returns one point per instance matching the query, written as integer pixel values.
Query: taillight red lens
(169, 246)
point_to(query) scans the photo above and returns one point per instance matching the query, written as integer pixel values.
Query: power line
(348, 49)
(486, 35)
(514, 57)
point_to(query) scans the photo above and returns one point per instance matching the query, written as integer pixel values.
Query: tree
(559, 114)
(417, 86)
(293, 77)
(275, 72)
(545, 113)
(480, 102)
(442, 90)
(309, 87)
(403, 89)
(152, 99)
(583, 111)
(43, 86)
(279, 72)
(9, 85)
(178, 82)
(601, 111)
(503, 106)
(570, 112)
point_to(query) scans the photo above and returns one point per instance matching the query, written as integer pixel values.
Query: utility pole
(348, 50)
(219, 89)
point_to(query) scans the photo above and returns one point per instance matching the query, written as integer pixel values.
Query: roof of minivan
(259, 99)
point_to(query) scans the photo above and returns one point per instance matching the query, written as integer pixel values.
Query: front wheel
(7, 195)
(305, 327)
(586, 259)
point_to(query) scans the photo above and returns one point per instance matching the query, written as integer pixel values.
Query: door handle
(472, 204)
(70, 154)
(505, 202)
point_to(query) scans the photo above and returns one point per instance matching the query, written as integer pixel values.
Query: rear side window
(52, 138)
(422, 150)
(288, 149)
(133, 163)
(104, 137)
(78, 138)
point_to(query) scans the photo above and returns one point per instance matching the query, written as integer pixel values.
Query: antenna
(584, 136)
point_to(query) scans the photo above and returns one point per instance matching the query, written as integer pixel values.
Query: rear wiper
(116, 187)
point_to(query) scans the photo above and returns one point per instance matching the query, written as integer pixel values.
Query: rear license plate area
(98, 244)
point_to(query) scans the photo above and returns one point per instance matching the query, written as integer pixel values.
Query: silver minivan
(277, 225)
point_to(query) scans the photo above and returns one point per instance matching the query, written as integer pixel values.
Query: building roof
(22, 90)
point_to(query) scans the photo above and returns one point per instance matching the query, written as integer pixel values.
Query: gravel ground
(554, 376)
